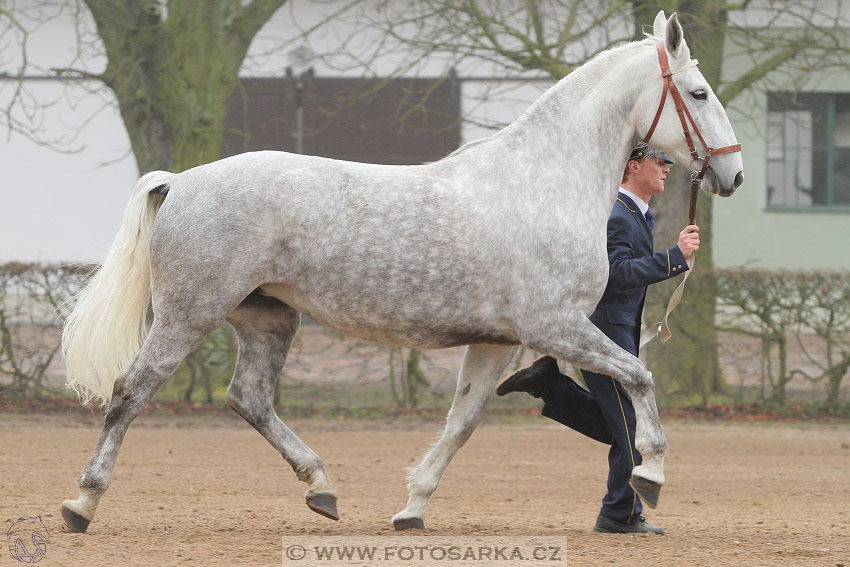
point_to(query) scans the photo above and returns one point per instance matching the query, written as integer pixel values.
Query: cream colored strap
(661, 329)
(686, 66)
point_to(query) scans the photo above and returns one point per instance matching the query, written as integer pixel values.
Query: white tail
(107, 326)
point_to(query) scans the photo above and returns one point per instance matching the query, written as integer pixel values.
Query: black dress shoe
(606, 525)
(536, 380)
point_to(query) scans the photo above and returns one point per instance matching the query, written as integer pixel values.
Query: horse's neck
(583, 128)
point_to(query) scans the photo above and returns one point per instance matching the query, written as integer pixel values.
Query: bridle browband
(682, 110)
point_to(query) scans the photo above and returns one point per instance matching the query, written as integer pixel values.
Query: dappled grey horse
(501, 243)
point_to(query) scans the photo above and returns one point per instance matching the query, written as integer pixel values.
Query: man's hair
(639, 153)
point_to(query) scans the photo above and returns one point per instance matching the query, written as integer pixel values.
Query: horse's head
(707, 120)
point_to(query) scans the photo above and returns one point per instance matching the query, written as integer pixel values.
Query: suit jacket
(631, 267)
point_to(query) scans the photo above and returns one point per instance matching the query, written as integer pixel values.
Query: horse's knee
(641, 384)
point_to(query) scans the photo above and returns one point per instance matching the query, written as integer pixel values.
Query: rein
(661, 329)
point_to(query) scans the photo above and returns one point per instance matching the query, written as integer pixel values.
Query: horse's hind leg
(265, 327)
(163, 350)
(481, 368)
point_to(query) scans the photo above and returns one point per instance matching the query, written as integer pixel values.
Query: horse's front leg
(481, 368)
(575, 339)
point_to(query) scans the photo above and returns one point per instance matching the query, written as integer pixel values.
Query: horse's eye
(699, 94)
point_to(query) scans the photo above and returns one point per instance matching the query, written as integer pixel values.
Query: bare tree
(32, 310)
(23, 111)
(812, 307)
(171, 66)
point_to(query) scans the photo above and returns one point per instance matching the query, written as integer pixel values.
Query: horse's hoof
(646, 489)
(408, 524)
(74, 521)
(324, 504)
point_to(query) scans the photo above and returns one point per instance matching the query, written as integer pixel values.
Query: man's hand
(689, 240)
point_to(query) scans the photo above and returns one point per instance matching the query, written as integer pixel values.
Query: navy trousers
(605, 414)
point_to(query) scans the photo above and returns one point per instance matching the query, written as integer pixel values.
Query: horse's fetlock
(97, 484)
(310, 470)
(652, 445)
(422, 484)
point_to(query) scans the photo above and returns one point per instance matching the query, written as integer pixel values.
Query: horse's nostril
(739, 178)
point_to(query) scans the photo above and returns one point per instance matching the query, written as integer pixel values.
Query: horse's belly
(411, 324)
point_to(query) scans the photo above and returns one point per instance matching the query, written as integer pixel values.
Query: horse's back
(389, 253)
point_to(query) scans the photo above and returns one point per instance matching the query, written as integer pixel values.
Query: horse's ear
(675, 38)
(659, 25)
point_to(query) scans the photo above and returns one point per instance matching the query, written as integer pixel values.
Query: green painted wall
(745, 233)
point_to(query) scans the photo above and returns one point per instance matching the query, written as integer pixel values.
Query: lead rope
(662, 329)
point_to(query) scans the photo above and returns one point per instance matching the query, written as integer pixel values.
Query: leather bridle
(682, 110)
(662, 329)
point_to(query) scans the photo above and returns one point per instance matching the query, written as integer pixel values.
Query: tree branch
(252, 17)
(736, 87)
(65, 72)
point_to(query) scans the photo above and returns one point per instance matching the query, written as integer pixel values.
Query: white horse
(500, 243)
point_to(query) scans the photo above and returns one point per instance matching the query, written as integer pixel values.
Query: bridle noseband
(682, 110)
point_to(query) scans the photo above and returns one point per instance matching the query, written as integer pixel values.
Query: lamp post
(300, 60)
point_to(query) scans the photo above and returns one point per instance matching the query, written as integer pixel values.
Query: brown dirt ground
(211, 491)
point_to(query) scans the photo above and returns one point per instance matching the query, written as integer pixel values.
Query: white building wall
(67, 206)
(57, 207)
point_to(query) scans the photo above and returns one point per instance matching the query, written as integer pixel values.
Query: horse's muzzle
(726, 192)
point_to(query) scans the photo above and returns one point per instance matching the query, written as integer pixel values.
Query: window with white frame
(808, 150)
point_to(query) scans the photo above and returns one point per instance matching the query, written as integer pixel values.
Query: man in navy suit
(604, 411)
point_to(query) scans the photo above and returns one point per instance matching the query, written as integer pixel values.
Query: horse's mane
(571, 81)
(575, 80)
(467, 145)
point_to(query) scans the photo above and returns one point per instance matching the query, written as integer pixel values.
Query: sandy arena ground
(210, 491)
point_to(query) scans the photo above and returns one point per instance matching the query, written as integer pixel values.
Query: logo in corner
(27, 539)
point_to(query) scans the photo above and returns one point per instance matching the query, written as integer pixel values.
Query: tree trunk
(173, 77)
(689, 361)
(190, 387)
(835, 375)
(779, 392)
